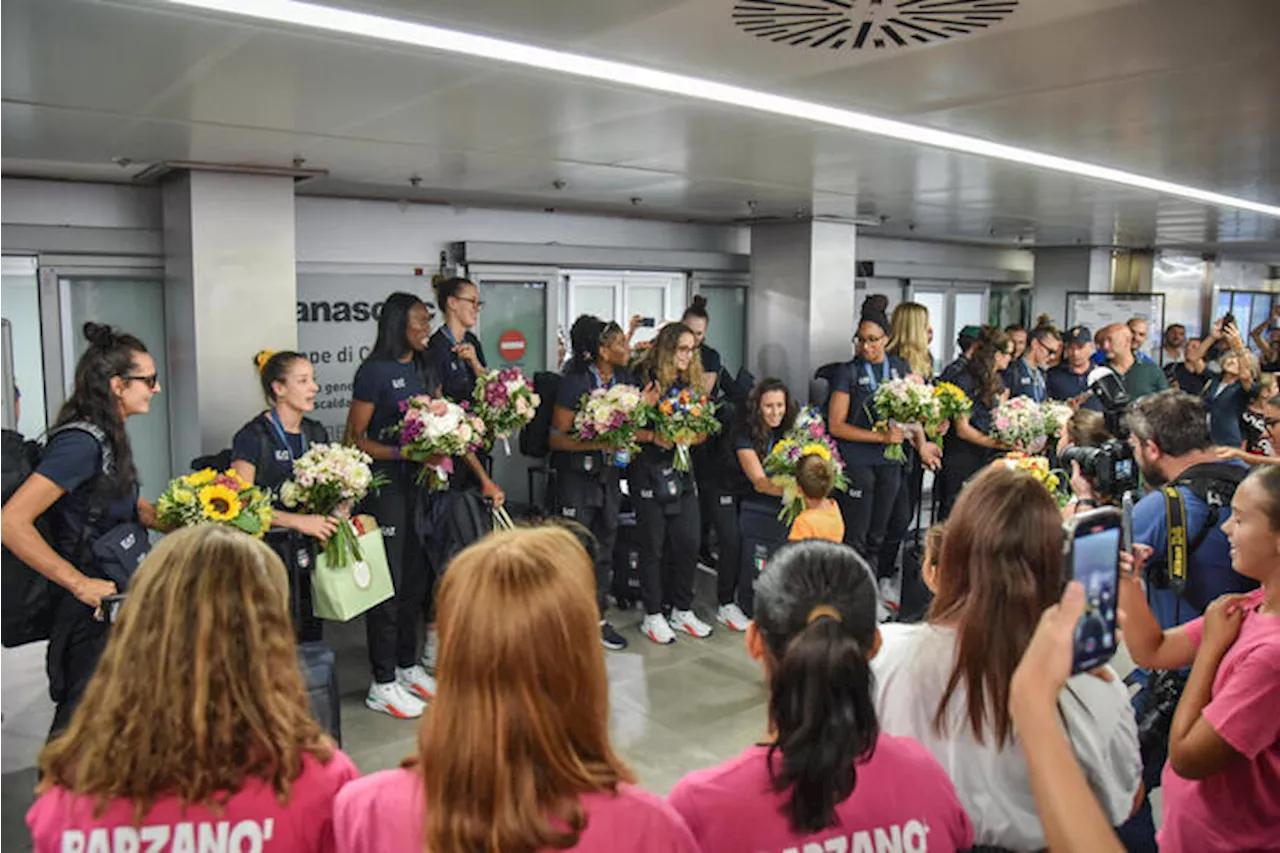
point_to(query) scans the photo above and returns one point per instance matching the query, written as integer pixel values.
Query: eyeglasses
(150, 381)
(1271, 423)
(685, 350)
(859, 339)
(474, 300)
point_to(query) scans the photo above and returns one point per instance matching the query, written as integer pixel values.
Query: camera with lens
(1110, 466)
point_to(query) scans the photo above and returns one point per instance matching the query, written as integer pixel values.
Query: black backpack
(535, 439)
(28, 599)
(1215, 484)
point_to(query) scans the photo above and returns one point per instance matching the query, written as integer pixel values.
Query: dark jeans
(760, 535)
(76, 642)
(733, 584)
(905, 507)
(392, 626)
(961, 461)
(600, 516)
(287, 544)
(868, 506)
(675, 528)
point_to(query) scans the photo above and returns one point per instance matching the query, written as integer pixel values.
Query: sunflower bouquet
(438, 427)
(210, 497)
(329, 479)
(807, 438)
(1038, 468)
(681, 417)
(949, 402)
(505, 401)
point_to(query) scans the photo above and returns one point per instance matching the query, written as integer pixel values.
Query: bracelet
(1089, 502)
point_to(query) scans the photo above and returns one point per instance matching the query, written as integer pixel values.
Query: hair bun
(260, 360)
(99, 334)
(699, 301)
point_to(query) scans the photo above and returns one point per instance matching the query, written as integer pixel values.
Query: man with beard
(1169, 434)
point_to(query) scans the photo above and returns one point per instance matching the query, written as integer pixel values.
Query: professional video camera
(1110, 466)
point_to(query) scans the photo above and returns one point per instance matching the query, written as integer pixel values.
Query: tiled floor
(674, 709)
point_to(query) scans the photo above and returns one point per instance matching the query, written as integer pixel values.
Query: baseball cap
(1078, 335)
(970, 332)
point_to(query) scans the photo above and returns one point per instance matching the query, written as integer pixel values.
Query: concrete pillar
(230, 291)
(802, 311)
(1071, 270)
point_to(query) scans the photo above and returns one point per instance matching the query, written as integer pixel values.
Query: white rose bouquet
(328, 480)
(437, 427)
(1019, 423)
(611, 416)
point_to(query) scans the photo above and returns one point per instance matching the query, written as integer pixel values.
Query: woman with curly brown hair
(195, 730)
(515, 755)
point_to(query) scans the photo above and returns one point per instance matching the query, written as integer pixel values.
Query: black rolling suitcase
(315, 658)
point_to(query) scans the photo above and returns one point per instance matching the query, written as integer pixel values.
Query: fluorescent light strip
(437, 38)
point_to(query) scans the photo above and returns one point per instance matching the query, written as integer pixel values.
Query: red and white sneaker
(731, 616)
(655, 627)
(417, 681)
(685, 620)
(392, 699)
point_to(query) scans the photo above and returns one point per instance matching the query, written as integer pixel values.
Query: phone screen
(1095, 563)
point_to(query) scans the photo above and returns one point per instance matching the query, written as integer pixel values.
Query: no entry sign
(512, 344)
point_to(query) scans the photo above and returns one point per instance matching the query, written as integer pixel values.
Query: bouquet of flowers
(1056, 414)
(904, 401)
(680, 417)
(209, 497)
(329, 479)
(505, 401)
(1019, 423)
(611, 416)
(950, 402)
(437, 427)
(807, 438)
(1038, 467)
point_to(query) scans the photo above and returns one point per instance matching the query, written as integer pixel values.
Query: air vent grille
(867, 24)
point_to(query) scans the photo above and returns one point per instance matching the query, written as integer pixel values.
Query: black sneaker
(611, 639)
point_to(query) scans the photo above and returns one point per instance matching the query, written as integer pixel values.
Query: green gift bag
(353, 577)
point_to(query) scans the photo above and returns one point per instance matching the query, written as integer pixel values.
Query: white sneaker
(655, 627)
(429, 650)
(391, 698)
(731, 616)
(890, 594)
(685, 620)
(416, 680)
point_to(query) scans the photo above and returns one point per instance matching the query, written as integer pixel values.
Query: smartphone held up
(1092, 552)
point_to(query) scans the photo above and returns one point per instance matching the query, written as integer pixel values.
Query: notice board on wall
(1096, 310)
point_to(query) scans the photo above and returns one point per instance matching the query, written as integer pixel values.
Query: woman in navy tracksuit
(588, 476)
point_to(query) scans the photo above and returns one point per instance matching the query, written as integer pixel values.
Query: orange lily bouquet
(682, 417)
(209, 497)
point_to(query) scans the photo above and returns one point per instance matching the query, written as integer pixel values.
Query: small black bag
(119, 552)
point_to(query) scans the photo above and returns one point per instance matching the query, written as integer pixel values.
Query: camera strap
(1176, 516)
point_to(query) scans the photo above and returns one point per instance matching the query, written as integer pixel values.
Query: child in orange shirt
(821, 518)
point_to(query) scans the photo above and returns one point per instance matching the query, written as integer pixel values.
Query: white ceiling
(1185, 90)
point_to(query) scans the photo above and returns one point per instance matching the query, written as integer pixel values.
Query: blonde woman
(909, 337)
(195, 729)
(515, 755)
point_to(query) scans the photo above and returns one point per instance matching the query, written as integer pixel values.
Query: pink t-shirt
(1237, 808)
(253, 819)
(903, 800)
(386, 813)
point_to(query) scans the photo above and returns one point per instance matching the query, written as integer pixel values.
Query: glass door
(727, 329)
(137, 307)
(24, 384)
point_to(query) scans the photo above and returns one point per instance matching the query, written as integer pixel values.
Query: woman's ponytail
(816, 612)
(825, 718)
